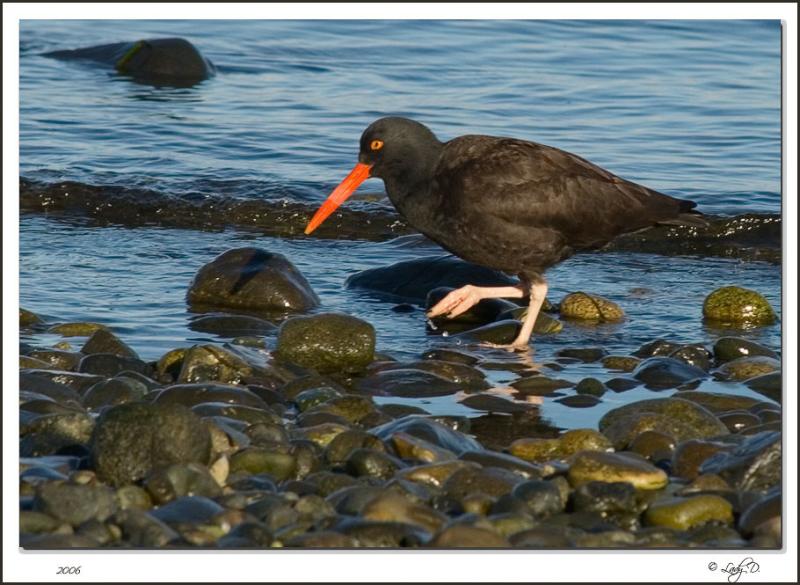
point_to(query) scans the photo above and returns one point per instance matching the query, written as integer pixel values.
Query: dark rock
(745, 368)
(769, 385)
(103, 341)
(112, 392)
(737, 421)
(75, 503)
(252, 279)
(407, 383)
(690, 455)
(50, 433)
(429, 430)
(327, 342)
(232, 325)
(175, 481)
(542, 537)
(718, 402)
(653, 445)
(484, 312)
(622, 363)
(492, 403)
(340, 447)
(539, 385)
(754, 465)
(584, 354)
(193, 394)
(28, 318)
(60, 360)
(767, 509)
(590, 386)
(462, 374)
(589, 466)
(659, 347)
(498, 333)
(187, 510)
(469, 481)
(76, 381)
(686, 513)
(622, 384)
(730, 348)
(579, 401)
(79, 329)
(450, 355)
(464, 536)
(371, 463)
(56, 541)
(255, 460)
(414, 279)
(108, 365)
(541, 498)
(374, 534)
(504, 461)
(695, 355)
(131, 440)
(659, 373)
(236, 412)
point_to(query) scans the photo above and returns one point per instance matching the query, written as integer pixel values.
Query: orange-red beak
(358, 175)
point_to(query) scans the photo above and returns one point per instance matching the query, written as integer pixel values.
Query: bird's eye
(376, 144)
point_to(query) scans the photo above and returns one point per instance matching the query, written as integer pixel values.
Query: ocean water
(691, 108)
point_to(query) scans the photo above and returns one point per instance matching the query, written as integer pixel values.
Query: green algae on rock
(686, 513)
(589, 466)
(589, 307)
(327, 342)
(744, 368)
(734, 306)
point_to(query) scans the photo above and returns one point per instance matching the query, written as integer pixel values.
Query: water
(691, 108)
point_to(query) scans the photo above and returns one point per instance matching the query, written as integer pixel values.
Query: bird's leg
(538, 291)
(464, 298)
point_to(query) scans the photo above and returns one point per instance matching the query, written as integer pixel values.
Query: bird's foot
(512, 347)
(456, 302)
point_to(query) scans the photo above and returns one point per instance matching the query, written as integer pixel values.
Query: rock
(591, 387)
(77, 381)
(589, 466)
(132, 497)
(694, 355)
(744, 368)
(103, 341)
(579, 401)
(234, 413)
(542, 537)
(56, 541)
(108, 365)
(690, 455)
(252, 279)
(541, 498)
(730, 348)
(407, 383)
(465, 536)
(434, 474)
(737, 421)
(79, 329)
(321, 539)
(312, 397)
(170, 61)
(659, 373)
(607, 499)
(717, 402)
(491, 403)
(659, 347)
(675, 417)
(584, 354)
(686, 513)
(588, 307)
(169, 483)
(327, 342)
(539, 385)
(461, 374)
(622, 384)
(486, 311)
(131, 440)
(339, 448)
(33, 522)
(769, 385)
(429, 430)
(28, 318)
(754, 465)
(187, 510)
(372, 463)
(58, 359)
(256, 460)
(193, 394)
(653, 445)
(211, 363)
(372, 534)
(469, 481)
(413, 448)
(112, 392)
(50, 433)
(571, 442)
(390, 507)
(232, 325)
(504, 461)
(763, 511)
(498, 333)
(544, 324)
(733, 306)
(27, 362)
(451, 356)
(622, 363)
(412, 280)
(74, 503)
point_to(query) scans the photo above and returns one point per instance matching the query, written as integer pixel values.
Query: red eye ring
(376, 144)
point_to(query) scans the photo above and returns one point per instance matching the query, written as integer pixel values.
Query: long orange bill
(358, 175)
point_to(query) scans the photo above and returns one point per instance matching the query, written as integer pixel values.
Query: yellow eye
(376, 144)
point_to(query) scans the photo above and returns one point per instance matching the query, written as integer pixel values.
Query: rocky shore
(298, 433)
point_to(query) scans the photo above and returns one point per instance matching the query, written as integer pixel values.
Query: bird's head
(398, 150)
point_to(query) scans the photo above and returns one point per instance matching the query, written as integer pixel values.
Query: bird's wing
(526, 184)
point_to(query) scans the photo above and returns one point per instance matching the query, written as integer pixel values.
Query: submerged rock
(410, 383)
(232, 325)
(659, 373)
(252, 279)
(79, 329)
(103, 341)
(131, 440)
(327, 342)
(734, 306)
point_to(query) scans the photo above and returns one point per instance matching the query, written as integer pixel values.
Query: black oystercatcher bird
(508, 204)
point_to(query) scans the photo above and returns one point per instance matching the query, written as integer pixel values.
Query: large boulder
(328, 342)
(734, 306)
(131, 440)
(157, 61)
(251, 279)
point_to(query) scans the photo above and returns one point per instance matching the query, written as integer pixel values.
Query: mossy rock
(80, 329)
(589, 466)
(686, 513)
(622, 363)
(28, 318)
(589, 307)
(745, 368)
(738, 307)
(328, 342)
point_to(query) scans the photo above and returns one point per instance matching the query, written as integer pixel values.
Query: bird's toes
(512, 347)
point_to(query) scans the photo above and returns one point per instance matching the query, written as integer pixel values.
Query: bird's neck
(410, 186)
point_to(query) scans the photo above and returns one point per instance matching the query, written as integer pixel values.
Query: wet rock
(571, 442)
(169, 483)
(328, 482)
(451, 356)
(131, 440)
(734, 306)
(461, 374)
(56, 541)
(659, 373)
(390, 507)
(717, 402)
(194, 394)
(678, 418)
(28, 318)
(705, 483)
(327, 342)
(132, 497)
(74, 503)
(414, 448)
(754, 465)
(434, 474)
(504, 461)
(591, 387)
(58, 359)
(584, 354)
(77, 381)
(255, 460)
(541, 498)
(622, 384)
(464, 536)
(103, 341)
(232, 325)
(371, 463)
(252, 279)
(694, 355)
(589, 307)
(414, 279)
(188, 509)
(484, 312)
(430, 431)
(407, 383)
(50, 433)
(579, 401)
(622, 363)
(212, 363)
(34, 522)
(542, 537)
(589, 466)
(730, 348)
(745, 368)
(653, 445)
(763, 512)
(769, 385)
(738, 421)
(686, 513)
(490, 481)
(373, 534)
(108, 365)
(308, 399)
(321, 539)
(340, 447)
(690, 455)
(112, 392)
(608, 499)
(498, 333)
(351, 407)
(491, 403)
(539, 385)
(235, 412)
(544, 324)
(27, 362)
(79, 329)
(659, 347)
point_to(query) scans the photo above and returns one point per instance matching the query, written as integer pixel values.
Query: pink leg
(538, 292)
(464, 298)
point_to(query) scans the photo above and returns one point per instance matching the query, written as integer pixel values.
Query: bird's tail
(687, 215)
